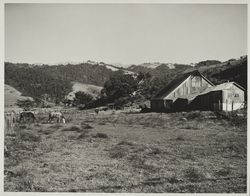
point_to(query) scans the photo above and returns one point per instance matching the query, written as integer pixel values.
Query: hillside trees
(120, 86)
(36, 81)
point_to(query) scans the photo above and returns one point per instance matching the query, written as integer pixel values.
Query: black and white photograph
(125, 98)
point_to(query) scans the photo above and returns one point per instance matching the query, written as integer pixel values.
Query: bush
(224, 171)
(83, 135)
(100, 135)
(86, 126)
(127, 143)
(73, 128)
(82, 98)
(120, 86)
(180, 138)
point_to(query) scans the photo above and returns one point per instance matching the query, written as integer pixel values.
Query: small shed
(227, 96)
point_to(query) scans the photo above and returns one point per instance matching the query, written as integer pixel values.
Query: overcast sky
(126, 33)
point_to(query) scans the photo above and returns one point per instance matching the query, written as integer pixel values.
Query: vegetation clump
(100, 135)
(72, 128)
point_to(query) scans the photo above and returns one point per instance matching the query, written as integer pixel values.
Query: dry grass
(129, 153)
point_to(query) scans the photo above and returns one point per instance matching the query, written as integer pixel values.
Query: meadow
(201, 152)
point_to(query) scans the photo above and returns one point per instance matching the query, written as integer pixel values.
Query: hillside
(55, 82)
(231, 70)
(158, 69)
(11, 95)
(87, 88)
(219, 72)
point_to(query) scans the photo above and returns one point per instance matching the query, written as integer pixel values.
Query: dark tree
(120, 86)
(82, 98)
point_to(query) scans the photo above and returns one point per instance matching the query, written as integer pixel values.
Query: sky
(124, 33)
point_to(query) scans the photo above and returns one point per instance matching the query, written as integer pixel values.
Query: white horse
(57, 115)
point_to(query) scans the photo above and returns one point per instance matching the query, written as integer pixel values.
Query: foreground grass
(182, 152)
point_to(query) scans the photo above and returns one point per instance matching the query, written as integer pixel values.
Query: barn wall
(161, 105)
(192, 84)
(211, 101)
(157, 105)
(233, 99)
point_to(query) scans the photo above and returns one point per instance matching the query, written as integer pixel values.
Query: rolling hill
(87, 88)
(57, 81)
(11, 95)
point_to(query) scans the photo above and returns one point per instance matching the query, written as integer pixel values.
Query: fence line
(10, 119)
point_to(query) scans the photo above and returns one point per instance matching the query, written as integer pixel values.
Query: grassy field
(179, 152)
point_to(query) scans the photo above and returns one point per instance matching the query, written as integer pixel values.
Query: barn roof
(176, 82)
(226, 85)
(223, 86)
(220, 87)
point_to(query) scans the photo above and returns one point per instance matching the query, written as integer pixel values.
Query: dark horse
(27, 115)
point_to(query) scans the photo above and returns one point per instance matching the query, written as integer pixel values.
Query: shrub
(82, 98)
(180, 138)
(224, 171)
(127, 143)
(83, 135)
(86, 126)
(72, 128)
(100, 135)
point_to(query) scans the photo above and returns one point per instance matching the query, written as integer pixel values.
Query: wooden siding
(193, 84)
(210, 101)
(225, 100)
(233, 99)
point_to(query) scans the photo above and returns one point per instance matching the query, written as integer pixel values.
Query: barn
(176, 94)
(193, 91)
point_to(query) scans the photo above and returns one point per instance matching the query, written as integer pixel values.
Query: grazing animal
(27, 115)
(57, 115)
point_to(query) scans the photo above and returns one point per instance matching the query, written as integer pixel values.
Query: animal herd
(24, 116)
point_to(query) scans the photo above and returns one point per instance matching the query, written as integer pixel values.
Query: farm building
(227, 96)
(193, 91)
